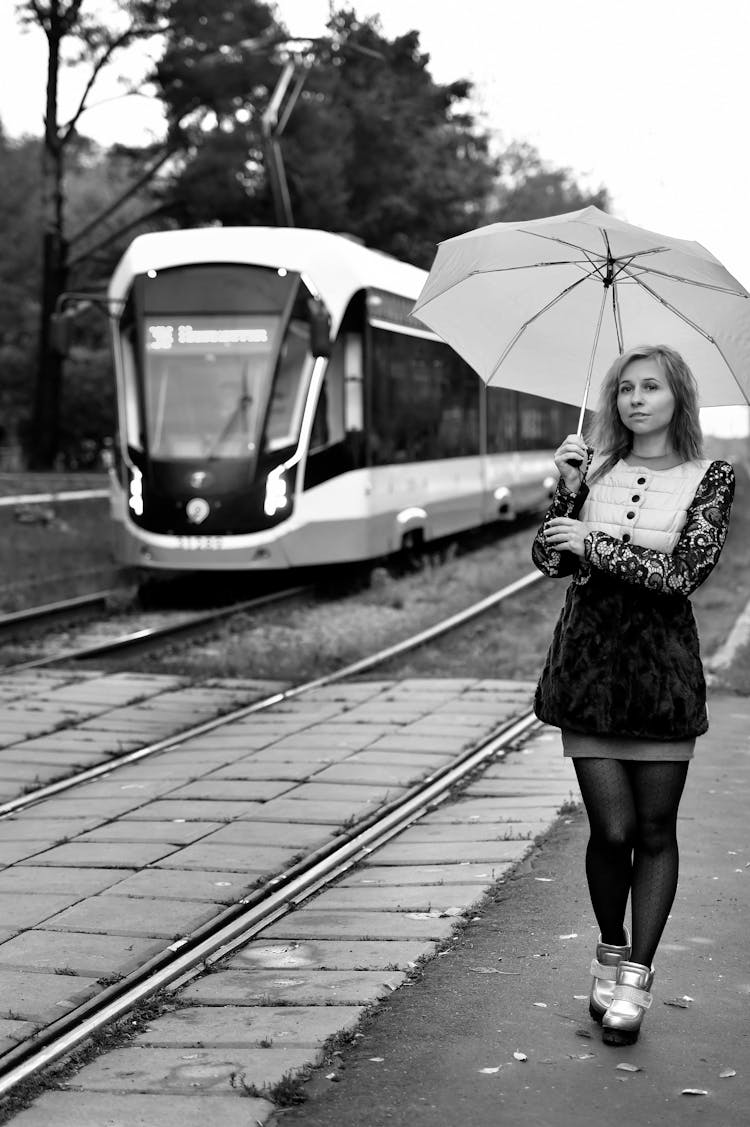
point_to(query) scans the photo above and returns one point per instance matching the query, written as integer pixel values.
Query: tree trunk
(43, 438)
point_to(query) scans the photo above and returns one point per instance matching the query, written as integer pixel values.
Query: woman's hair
(610, 437)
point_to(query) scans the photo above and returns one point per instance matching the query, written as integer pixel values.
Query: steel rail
(252, 914)
(8, 622)
(360, 666)
(152, 635)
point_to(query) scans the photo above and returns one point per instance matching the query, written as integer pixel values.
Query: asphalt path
(496, 1029)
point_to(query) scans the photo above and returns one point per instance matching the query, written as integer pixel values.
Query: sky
(646, 97)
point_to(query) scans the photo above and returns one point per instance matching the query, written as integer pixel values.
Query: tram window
(425, 401)
(502, 410)
(285, 407)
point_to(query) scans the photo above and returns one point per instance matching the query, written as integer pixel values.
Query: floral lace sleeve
(549, 561)
(695, 554)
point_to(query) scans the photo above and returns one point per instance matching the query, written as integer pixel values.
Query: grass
(63, 551)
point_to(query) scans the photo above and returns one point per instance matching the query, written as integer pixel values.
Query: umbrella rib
(686, 281)
(673, 309)
(501, 270)
(617, 312)
(522, 329)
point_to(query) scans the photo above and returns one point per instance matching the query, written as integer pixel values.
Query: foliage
(529, 187)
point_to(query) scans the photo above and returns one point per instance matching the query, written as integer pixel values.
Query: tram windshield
(225, 352)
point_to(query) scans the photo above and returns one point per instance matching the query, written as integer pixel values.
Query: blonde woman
(639, 520)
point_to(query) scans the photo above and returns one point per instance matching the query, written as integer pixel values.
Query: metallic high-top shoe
(604, 969)
(621, 1023)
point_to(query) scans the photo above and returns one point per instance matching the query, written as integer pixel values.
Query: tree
(529, 187)
(75, 34)
(374, 146)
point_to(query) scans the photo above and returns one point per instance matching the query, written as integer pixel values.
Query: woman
(623, 678)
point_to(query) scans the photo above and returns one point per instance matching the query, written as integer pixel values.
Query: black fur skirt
(624, 662)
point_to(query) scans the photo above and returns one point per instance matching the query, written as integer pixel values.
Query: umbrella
(545, 306)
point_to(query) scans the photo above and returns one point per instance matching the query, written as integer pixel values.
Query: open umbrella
(545, 306)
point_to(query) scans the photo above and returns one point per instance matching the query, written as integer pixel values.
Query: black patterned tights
(632, 809)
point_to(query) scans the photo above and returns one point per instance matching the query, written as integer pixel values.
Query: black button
(631, 515)
(625, 537)
(636, 497)
(641, 481)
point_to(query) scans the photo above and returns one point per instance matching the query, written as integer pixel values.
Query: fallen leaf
(377, 1060)
(625, 1067)
(573, 935)
(545, 880)
(583, 1033)
(332, 1076)
(540, 1005)
(694, 1092)
(520, 1056)
(725, 1072)
(583, 1056)
(581, 997)
(490, 1071)
(681, 1003)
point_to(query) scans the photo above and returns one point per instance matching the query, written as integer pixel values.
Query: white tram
(280, 407)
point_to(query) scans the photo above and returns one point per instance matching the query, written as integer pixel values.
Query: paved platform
(101, 879)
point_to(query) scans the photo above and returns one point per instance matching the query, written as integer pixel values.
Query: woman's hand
(573, 450)
(566, 535)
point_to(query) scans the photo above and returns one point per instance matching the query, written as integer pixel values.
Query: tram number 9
(197, 543)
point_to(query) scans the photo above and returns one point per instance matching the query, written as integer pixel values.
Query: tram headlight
(135, 501)
(277, 492)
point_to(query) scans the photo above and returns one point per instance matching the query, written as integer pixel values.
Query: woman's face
(644, 398)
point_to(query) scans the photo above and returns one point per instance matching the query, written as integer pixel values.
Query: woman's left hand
(566, 535)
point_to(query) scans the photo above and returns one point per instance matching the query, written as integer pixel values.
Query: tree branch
(100, 63)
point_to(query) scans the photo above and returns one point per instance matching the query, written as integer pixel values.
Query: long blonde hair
(610, 437)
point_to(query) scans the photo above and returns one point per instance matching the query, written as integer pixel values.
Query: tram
(279, 407)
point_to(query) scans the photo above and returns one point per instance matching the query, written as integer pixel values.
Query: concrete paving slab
(349, 738)
(40, 998)
(329, 954)
(74, 805)
(421, 833)
(173, 833)
(104, 854)
(493, 809)
(315, 792)
(449, 898)
(195, 810)
(375, 874)
(121, 915)
(401, 758)
(265, 769)
(233, 1026)
(426, 853)
(112, 1109)
(176, 884)
(57, 880)
(13, 1031)
(447, 745)
(292, 987)
(364, 774)
(231, 790)
(322, 813)
(77, 953)
(21, 911)
(297, 835)
(359, 925)
(142, 790)
(228, 857)
(555, 789)
(12, 851)
(222, 1072)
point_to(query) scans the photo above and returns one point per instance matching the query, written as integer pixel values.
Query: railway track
(283, 890)
(167, 625)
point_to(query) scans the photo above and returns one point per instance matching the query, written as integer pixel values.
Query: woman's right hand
(571, 458)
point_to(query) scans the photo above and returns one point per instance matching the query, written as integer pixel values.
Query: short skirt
(579, 745)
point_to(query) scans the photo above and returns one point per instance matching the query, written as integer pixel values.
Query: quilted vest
(643, 506)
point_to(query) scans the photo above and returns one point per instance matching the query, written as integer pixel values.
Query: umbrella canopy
(545, 306)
